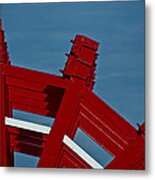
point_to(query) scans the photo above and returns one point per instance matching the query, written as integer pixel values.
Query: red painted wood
(6, 151)
(29, 149)
(106, 110)
(25, 133)
(59, 129)
(25, 84)
(34, 76)
(102, 138)
(26, 101)
(6, 158)
(19, 138)
(141, 130)
(103, 121)
(3, 135)
(28, 142)
(34, 110)
(49, 107)
(99, 122)
(14, 91)
(68, 159)
(87, 42)
(73, 105)
(132, 158)
(4, 55)
(81, 64)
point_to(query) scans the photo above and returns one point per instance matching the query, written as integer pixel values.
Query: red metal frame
(71, 102)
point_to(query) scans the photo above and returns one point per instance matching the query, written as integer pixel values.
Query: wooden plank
(26, 133)
(35, 76)
(112, 115)
(27, 93)
(101, 125)
(34, 110)
(23, 83)
(26, 101)
(103, 120)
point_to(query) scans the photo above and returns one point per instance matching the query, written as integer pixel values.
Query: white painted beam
(27, 125)
(80, 152)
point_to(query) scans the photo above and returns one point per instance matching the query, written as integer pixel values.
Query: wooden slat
(26, 133)
(27, 93)
(104, 109)
(34, 76)
(34, 110)
(102, 138)
(26, 101)
(29, 149)
(23, 83)
(103, 120)
(67, 109)
(102, 125)
(18, 139)
(27, 141)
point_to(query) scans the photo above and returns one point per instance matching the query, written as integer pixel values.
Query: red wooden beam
(32, 76)
(107, 111)
(62, 121)
(25, 84)
(17, 91)
(3, 135)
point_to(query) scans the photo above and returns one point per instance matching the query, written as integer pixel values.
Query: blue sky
(38, 37)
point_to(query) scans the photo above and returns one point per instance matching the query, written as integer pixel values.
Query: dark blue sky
(38, 37)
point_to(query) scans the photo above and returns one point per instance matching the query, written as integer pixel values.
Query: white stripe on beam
(80, 152)
(27, 125)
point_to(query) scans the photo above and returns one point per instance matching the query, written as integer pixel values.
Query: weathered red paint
(71, 102)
